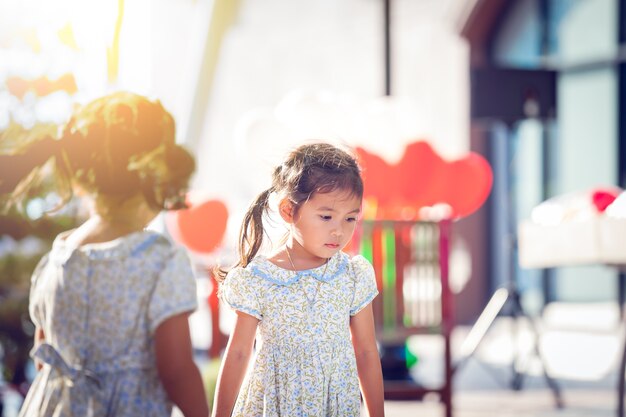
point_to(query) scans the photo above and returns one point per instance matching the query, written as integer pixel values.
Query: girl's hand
(40, 337)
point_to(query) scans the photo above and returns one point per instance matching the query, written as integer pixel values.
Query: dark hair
(118, 145)
(309, 169)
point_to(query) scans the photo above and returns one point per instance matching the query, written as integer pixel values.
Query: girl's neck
(108, 222)
(297, 257)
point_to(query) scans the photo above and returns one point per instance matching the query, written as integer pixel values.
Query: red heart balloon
(201, 227)
(422, 178)
(420, 174)
(467, 184)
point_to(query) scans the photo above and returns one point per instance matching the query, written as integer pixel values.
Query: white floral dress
(99, 306)
(305, 364)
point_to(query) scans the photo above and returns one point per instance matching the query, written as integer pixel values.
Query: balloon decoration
(42, 86)
(422, 179)
(201, 227)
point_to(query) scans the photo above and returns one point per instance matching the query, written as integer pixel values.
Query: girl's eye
(325, 217)
(351, 219)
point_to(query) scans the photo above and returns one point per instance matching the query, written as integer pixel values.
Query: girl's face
(324, 224)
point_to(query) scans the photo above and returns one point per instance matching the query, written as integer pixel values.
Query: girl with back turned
(111, 300)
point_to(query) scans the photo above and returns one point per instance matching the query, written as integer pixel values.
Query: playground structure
(411, 260)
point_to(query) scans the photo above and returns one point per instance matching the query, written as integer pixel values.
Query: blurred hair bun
(119, 145)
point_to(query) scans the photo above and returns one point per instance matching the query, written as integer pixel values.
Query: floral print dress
(99, 306)
(305, 364)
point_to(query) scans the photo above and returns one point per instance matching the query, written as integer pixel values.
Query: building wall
(579, 39)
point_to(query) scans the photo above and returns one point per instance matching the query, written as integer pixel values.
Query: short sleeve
(175, 290)
(240, 291)
(365, 289)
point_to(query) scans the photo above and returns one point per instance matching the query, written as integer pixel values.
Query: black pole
(621, 129)
(387, 30)
(547, 274)
(621, 179)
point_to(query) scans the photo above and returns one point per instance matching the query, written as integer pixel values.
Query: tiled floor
(581, 345)
(502, 403)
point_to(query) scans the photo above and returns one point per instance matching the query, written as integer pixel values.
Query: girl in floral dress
(307, 305)
(111, 300)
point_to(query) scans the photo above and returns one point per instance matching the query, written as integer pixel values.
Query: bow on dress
(79, 384)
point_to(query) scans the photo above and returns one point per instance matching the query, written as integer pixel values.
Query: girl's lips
(332, 245)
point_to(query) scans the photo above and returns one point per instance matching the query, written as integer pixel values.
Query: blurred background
(493, 142)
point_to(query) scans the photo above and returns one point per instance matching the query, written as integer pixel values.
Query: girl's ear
(286, 210)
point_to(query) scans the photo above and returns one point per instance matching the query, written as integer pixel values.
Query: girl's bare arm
(178, 372)
(234, 364)
(368, 361)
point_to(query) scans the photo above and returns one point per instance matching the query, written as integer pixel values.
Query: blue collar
(132, 245)
(265, 269)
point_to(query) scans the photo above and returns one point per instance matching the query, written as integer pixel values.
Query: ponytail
(251, 233)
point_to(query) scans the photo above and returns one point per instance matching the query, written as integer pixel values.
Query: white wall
(294, 69)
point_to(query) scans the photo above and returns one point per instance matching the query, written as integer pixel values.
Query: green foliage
(15, 270)
(18, 225)
(17, 266)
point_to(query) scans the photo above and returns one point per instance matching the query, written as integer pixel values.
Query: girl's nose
(336, 232)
